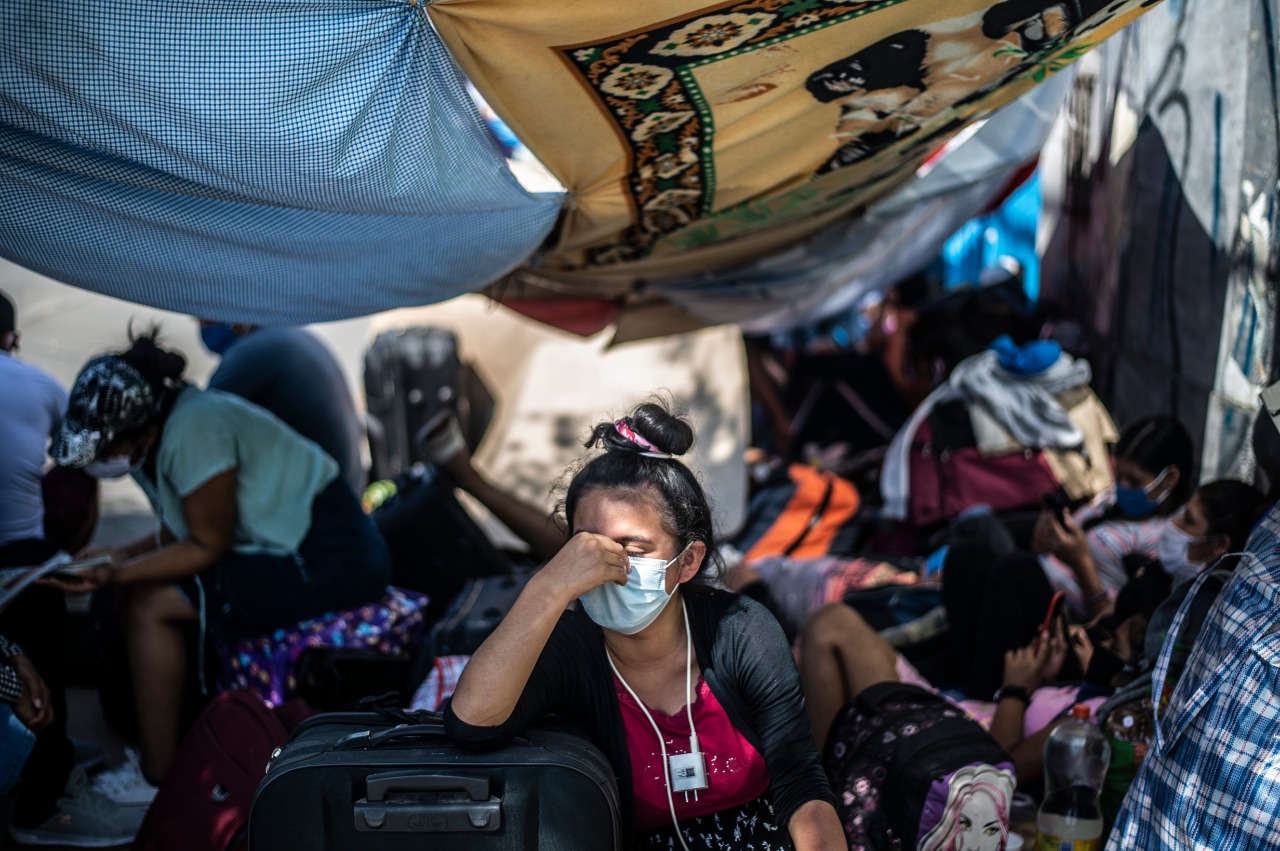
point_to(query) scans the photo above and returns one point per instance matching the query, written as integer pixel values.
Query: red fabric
(945, 483)
(736, 771)
(204, 803)
(584, 317)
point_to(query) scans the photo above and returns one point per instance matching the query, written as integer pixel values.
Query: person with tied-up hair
(258, 530)
(691, 692)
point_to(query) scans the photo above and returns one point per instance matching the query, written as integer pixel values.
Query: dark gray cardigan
(745, 660)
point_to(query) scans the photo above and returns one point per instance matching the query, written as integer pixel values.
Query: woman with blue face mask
(996, 594)
(691, 692)
(1085, 553)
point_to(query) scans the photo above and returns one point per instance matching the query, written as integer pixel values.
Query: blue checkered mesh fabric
(262, 161)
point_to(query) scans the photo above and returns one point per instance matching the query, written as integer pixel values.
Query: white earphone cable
(662, 743)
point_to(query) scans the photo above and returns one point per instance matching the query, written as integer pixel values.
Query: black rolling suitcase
(476, 612)
(410, 375)
(355, 781)
(436, 546)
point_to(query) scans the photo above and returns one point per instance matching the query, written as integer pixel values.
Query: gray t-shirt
(292, 374)
(31, 407)
(278, 472)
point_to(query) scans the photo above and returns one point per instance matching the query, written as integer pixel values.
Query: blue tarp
(251, 160)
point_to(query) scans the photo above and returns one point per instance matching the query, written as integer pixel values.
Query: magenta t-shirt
(736, 771)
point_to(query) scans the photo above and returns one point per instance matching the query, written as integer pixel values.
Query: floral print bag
(912, 771)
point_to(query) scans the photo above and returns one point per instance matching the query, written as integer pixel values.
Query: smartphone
(1055, 611)
(1056, 503)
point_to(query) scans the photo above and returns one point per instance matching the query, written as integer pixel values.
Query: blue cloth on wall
(251, 160)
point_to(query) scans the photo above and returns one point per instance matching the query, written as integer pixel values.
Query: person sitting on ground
(55, 804)
(1209, 779)
(841, 655)
(445, 446)
(291, 373)
(25, 709)
(418, 506)
(655, 651)
(995, 605)
(258, 530)
(1084, 553)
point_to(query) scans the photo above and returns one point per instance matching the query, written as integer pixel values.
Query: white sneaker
(85, 819)
(124, 785)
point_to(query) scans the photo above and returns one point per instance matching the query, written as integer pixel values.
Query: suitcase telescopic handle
(379, 813)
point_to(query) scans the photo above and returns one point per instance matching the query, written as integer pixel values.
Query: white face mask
(1171, 549)
(630, 608)
(113, 467)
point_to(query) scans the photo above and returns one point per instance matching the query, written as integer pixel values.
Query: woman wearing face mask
(692, 693)
(1215, 522)
(1085, 553)
(257, 530)
(1002, 608)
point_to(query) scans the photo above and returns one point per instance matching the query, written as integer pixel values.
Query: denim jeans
(16, 741)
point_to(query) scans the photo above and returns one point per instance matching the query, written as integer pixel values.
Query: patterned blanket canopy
(277, 161)
(696, 137)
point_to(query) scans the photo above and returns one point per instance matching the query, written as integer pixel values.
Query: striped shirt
(1110, 542)
(1212, 777)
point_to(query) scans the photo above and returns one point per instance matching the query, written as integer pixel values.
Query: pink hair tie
(626, 431)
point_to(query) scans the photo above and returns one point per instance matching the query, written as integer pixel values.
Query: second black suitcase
(476, 612)
(410, 375)
(355, 781)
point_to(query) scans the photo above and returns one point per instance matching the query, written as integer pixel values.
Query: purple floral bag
(266, 665)
(912, 771)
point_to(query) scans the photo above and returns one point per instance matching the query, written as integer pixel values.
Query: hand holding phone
(1055, 612)
(1056, 504)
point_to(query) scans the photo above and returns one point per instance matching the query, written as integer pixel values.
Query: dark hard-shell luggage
(436, 546)
(474, 614)
(361, 780)
(410, 375)
(332, 678)
(204, 803)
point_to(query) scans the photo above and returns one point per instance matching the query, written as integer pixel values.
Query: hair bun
(668, 431)
(665, 431)
(161, 367)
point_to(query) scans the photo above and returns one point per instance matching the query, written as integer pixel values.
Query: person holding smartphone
(998, 604)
